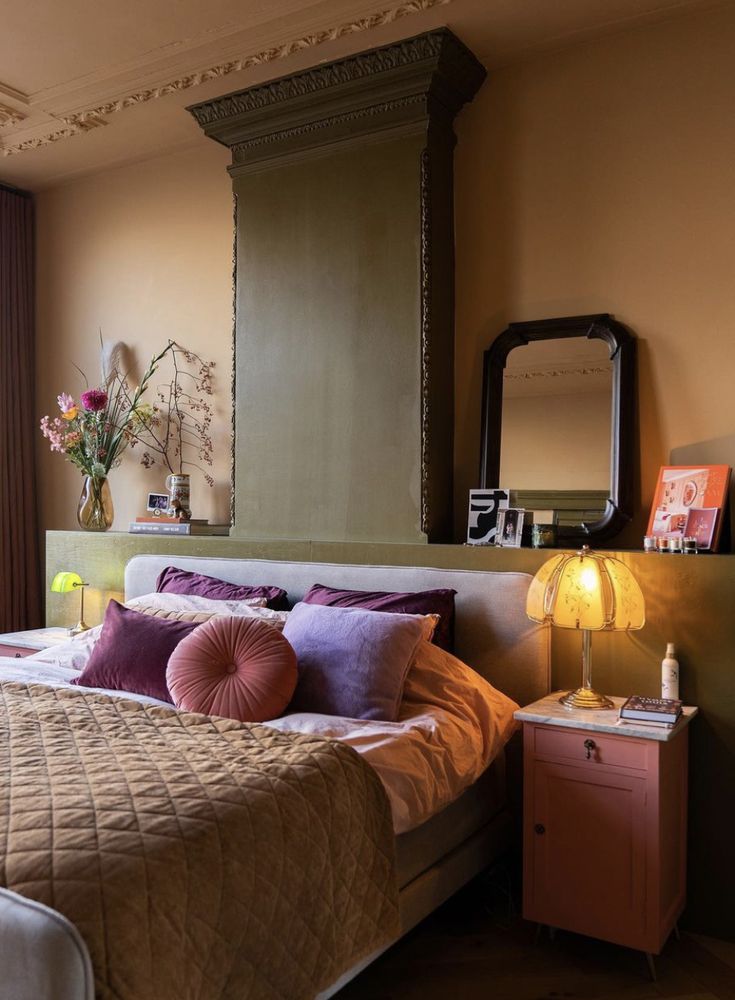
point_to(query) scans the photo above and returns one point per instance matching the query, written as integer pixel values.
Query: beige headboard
(493, 634)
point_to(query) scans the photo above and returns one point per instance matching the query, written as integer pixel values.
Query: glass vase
(95, 511)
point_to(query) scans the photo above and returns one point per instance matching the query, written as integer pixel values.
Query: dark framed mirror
(558, 422)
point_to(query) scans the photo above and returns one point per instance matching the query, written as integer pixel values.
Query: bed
(43, 955)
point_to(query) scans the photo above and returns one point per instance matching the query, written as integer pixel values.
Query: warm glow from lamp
(64, 583)
(588, 591)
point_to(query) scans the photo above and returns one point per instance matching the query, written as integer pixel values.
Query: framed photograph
(483, 515)
(510, 527)
(690, 501)
(158, 503)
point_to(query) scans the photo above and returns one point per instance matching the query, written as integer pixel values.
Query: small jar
(675, 544)
(543, 536)
(663, 544)
(689, 546)
(649, 543)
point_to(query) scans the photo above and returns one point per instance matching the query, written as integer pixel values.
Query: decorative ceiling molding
(83, 121)
(523, 375)
(10, 116)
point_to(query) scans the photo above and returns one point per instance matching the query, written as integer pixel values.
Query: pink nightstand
(604, 827)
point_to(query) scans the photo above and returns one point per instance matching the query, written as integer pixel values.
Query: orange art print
(690, 496)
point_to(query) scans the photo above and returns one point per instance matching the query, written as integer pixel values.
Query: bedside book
(663, 711)
(181, 528)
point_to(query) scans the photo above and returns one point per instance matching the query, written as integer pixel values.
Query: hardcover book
(662, 710)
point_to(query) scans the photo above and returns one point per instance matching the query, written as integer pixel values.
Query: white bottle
(670, 673)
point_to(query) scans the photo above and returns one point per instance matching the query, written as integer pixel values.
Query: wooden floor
(475, 948)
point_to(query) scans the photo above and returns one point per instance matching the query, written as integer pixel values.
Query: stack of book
(651, 711)
(165, 525)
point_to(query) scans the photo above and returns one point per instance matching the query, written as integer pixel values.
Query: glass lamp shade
(64, 583)
(586, 590)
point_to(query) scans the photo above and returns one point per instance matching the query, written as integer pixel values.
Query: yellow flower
(70, 414)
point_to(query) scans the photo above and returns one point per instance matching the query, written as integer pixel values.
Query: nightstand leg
(651, 966)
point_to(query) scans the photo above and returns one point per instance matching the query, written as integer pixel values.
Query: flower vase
(95, 511)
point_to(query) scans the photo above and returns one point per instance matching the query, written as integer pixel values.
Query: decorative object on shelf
(176, 431)
(689, 503)
(66, 582)
(670, 673)
(543, 536)
(158, 503)
(510, 528)
(588, 591)
(94, 431)
(95, 511)
(649, 543)
(689, 546)
(482, 522)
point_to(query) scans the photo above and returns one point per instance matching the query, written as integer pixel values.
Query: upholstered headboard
(493, 634)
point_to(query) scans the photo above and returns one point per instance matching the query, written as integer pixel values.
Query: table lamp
(64, 583)
(591, 592)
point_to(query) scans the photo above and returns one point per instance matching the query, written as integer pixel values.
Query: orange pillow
(238, 668)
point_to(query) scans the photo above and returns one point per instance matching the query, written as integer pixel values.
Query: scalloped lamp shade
(588, 591)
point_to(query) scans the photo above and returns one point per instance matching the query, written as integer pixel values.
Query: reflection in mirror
(557, 416)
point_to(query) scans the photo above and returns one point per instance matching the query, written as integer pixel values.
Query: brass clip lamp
(65, 583)
(592, 592)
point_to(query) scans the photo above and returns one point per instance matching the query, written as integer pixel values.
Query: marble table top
(36, 638)
(549, 711)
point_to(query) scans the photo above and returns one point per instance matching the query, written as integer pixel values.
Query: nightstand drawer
(569, 744)
(16, 651)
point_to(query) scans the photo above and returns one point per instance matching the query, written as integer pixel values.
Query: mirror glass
(557, 415)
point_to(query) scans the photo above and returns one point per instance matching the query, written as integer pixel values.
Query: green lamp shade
(63, 583)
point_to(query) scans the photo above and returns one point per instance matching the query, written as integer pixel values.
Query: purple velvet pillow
(132, 652)
(424, 602)
(181, 581)
(352, 662)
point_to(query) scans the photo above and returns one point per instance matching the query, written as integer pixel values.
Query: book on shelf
(665, 711)
(165, 519)
(180, 528)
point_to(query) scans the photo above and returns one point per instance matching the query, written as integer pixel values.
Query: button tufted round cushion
(239, 668)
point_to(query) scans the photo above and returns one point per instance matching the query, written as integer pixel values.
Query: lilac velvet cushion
(181, 581)
(132, 652)
(352, 662)
(424, 602)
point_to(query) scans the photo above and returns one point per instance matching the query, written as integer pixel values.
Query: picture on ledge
(483, 515)
(510, 527)
(690, 502)
(158, 503)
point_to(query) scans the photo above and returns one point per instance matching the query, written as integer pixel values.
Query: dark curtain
(20, 585)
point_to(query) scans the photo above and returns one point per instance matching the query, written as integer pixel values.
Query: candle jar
(649, 543)
(675, 544)
(543, 536)
(689, 546)
(663, 544)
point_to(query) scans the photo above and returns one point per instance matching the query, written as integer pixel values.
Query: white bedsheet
(452, 724)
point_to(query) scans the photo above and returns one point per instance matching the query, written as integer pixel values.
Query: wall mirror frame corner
(621, 345)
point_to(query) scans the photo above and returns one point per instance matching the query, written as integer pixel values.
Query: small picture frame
(483, 515)
(158, 503)
(510, 527)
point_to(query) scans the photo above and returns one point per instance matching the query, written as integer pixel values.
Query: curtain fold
(20, 579)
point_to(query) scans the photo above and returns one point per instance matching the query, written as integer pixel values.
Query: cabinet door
(586, 848)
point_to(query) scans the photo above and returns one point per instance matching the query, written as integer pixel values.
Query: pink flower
(65, 401)
(94, 400)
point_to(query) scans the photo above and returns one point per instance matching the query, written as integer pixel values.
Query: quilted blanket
(200, 858)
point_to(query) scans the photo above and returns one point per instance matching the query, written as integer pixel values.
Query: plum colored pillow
(132, 652)
(182, 581)
(239, 668)
(352, 662)
(423, 602)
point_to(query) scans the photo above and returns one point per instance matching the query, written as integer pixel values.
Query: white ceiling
(89, 84)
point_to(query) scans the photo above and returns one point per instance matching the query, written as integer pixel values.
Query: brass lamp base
(585, 698)
(81, 626)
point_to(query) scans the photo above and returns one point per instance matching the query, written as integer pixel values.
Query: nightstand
(19, 644)
(604, 825)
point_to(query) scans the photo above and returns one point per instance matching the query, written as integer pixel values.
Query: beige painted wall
(143, 253)
(600, 178)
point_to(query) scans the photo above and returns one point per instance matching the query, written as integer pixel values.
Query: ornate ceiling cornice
(93, 117)
(527, 374)
(9, 116)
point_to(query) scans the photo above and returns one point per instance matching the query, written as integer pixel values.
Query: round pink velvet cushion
(238, 668)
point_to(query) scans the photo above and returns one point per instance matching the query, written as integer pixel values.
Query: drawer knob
(589, 746)
(539, 829)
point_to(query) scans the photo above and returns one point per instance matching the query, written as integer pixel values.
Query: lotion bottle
(670, 673)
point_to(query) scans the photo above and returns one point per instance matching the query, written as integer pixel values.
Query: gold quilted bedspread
(200, 858)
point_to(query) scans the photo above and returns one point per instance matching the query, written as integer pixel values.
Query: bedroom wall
(599, 178)
(143, 254)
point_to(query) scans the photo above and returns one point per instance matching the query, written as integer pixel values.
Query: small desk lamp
(64, 583)
(591, 592)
